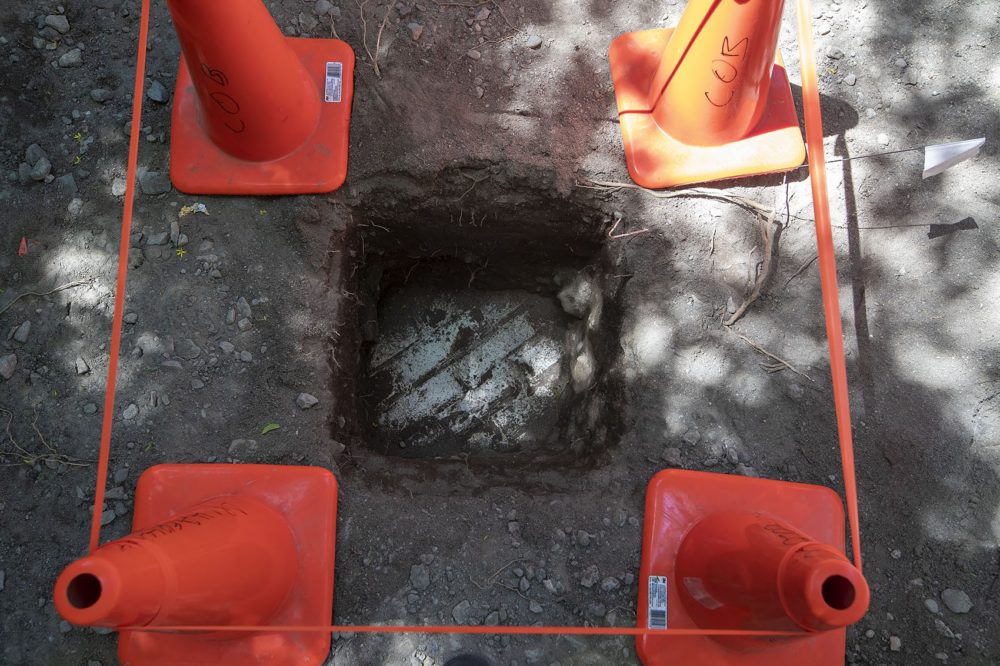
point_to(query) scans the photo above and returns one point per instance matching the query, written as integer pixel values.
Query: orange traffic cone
(215, 545)
(708, 100)
(255, 112)
(731, 552)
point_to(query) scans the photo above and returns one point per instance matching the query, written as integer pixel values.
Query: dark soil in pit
(487, 342)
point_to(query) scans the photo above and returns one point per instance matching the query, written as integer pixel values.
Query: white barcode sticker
(657, 602)
(334, 81)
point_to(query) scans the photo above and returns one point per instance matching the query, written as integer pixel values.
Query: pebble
(81, 366)
(227, 347)
(241, 447)
(895, 643)
(582, 538)
(943, 628)
(72, 58)
(101, 95)
(322, 7)
(33, 153)
(90, 408)
(575, 298)
(901, 63)
(108, 517)
(57, 22)
(243, 308)
(22, 332)
(67, 183)
(534, 607)
(850, 79)
(957, 601)
(187, 349)
(118, 187)
(65, 627)
(833, 53)
(131, 318)
(474, 54)
(157, 92)
(130, 412)
(462, 612)
(590, 576)
(155, 182)
(420, 578)
(306, 400)
(610, 584)
(932, 605)
(246, 356)
(158, 239)
(41, 170)
(883, 139)
(416, 31)
(533, 42)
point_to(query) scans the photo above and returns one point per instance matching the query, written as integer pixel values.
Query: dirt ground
(467, 157)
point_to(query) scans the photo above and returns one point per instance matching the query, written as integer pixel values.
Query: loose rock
(157, 92)
(22, 332)
(957, 601)
(57, 22)
(8, 364)
(462, 612)
(130, 412)
(72, 58)
(306, 400)
(420, 578)
(101, 95)
(533, 42)
(41, 169)
(155, 182)
(81, 366)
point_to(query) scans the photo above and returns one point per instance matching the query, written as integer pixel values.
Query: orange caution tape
(828, 274)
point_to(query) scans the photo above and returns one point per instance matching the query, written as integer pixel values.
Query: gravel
(420, 578)
(8, 364)
(58, 22)
(158, 93)
(72, 58)
(130, 412)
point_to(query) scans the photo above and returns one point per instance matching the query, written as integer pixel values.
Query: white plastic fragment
(943, 156)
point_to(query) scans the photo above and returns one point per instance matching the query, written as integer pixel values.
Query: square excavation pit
(489, 349)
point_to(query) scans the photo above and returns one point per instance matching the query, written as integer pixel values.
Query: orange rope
(828, 268)
(814, 135)
(123, 246)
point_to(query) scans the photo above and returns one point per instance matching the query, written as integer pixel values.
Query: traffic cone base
(656, 159)
(676, 501)
(198, 166)
(307, 498)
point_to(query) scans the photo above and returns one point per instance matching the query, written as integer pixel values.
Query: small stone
(943, 628)
(901, 63)
(420, 578)
(157, 92)
(241, 447)
(576, 297)
(72, 58)
(474, 54)
(246, 356)
(155, 182)
(957, 601)
(243, 308)
(590, 576)
(130, 412)
(416, 31)
(896, 553)
(90, 408)
(932, 605)
(22, 332)
(160, 238)
(118, 187)
(895, 643)
(130, 318)
(41, 170)
(582, 538)
(524, 585)
(57, 22)
(244, 324)
(101, 95)
(306, 400)
(67, 183)
(672, 456)
(108, 517)
(850, 79)
(833, 53)
(81, 366)
(534, 607)
(462, 612)
(197, 384)
(610, 584)
(187, 349)
(533, 42)
(33, 153)
(323, 7)
(883, 139)
(226, 346)
(8, 364)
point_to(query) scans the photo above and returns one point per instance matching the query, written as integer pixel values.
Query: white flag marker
(943, 156)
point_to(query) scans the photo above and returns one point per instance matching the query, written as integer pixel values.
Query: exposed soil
(465, 237)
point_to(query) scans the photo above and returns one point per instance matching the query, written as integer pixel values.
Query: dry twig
(801, 268)
(68, 285)
(781, 363)
(26, 457)
(766, 228)
(618, 220)
(373, 58)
